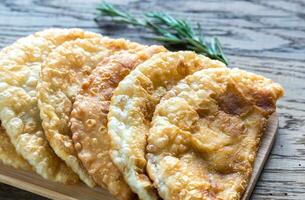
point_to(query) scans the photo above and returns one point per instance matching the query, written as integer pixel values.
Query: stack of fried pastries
(140, 121)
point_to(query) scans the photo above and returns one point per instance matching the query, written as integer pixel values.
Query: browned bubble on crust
(132, 107)
(61, 76)
(20, 65)
(89, 118)
(206, 131)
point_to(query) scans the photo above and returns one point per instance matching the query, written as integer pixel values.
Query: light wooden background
(264, 36)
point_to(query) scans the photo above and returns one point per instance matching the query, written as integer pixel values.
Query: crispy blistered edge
(15, 56)
(89, 118)
(57, 73)
(132, 104)
(8, 154)
(187, 89)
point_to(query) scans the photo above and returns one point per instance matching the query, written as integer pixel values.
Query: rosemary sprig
(174, 33)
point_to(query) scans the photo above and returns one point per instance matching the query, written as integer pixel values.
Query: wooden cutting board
(34, 183)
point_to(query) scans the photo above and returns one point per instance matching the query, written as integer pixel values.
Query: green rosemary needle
(173, 33)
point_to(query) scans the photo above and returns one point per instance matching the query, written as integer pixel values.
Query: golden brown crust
(89, 118)
(61, 76)
(8, 154)
(206, 131)
(20, 65)
(132, 106)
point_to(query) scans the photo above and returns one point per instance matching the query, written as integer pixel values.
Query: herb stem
(172, 32)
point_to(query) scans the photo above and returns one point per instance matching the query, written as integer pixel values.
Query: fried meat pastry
(8, 154)
(61, 76)
(89, 118)
(20, 65)
(206, 131)
(133, 104)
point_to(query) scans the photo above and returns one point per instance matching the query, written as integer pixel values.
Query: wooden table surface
(267, 37)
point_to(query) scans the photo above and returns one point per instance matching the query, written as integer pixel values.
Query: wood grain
(34, 183)
(267, 37)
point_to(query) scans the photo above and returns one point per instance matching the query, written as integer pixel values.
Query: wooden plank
(34, 183)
